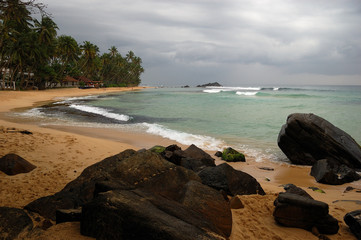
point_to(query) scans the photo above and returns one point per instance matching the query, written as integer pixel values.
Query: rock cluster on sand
(294, 208)
(306, 138)
(13, 164)
(143, 195)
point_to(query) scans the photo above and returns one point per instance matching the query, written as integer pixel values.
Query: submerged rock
(13, 164)
(306, 138)
(233, 182)
(331, 172)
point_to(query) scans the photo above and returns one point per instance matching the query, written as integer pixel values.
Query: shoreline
(61, 153)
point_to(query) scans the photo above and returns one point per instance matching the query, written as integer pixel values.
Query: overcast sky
(233, 42)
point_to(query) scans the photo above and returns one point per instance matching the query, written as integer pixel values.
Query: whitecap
(246, 93)
(204, 142)
(102, 112)
(212, 90)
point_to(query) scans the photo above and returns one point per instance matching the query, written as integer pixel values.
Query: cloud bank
(234, 42)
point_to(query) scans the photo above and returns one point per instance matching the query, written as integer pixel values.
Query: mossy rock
(158, 149)
(231, 155)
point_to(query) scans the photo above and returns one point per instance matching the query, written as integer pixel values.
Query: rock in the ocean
(231, 155)
(215, 84)
(306, 138)
(353, 220)
(331, 172)
(13, 164)
(292, 210)
(233, 182)
(13, 221)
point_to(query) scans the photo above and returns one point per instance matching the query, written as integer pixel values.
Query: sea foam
(101, 111)
(246, 93)
(204, 142)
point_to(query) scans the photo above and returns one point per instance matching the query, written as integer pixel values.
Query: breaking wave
(101, 111)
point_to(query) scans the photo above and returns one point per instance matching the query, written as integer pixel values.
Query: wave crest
(102, 112)
(204, 142)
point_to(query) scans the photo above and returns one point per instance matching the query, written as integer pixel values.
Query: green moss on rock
(231, 155)
(158, 149)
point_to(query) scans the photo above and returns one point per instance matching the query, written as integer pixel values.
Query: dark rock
(231, 155)
(26, 132)
(267, 168)
(306, 138)
(13, 222)
(291, 188)
(210, 204)
(218, 154)
(353, 220)
(12, 164)
(127, 170)
(150, 191)
(140, 214)
(329, 171)
(198, 154)
(236, 203)
(293, 210)
(215, 84)
(233, 182)
(68, 215)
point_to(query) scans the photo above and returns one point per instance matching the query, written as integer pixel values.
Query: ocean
(245, 118)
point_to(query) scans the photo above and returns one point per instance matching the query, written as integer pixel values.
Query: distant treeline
(31, 53)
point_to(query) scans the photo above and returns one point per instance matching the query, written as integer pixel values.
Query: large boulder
(140, 184)
(13, 164)
(292, 210)
(233, 182)
(13, 222)
(353, 220)
(331, 172)
(306, 138)
(127, 170)
(137, 214)
(192, 158)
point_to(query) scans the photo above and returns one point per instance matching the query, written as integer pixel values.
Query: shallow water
(246, 118)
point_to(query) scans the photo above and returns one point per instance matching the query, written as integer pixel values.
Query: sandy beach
(62, 153)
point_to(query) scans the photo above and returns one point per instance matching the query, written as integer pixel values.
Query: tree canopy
(31, 53)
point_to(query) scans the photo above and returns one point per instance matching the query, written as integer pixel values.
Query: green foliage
(33, 54)
(231, 155)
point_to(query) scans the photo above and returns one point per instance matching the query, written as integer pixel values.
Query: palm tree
(89, 57)
(67, 52)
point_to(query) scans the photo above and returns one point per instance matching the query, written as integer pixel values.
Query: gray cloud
(234, 42)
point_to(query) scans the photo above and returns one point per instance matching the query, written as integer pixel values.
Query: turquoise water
(248, 119)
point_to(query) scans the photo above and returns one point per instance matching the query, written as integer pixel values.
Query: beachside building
(87, 83)
(70, 82)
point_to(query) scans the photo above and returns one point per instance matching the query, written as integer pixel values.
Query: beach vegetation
(32, 55)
